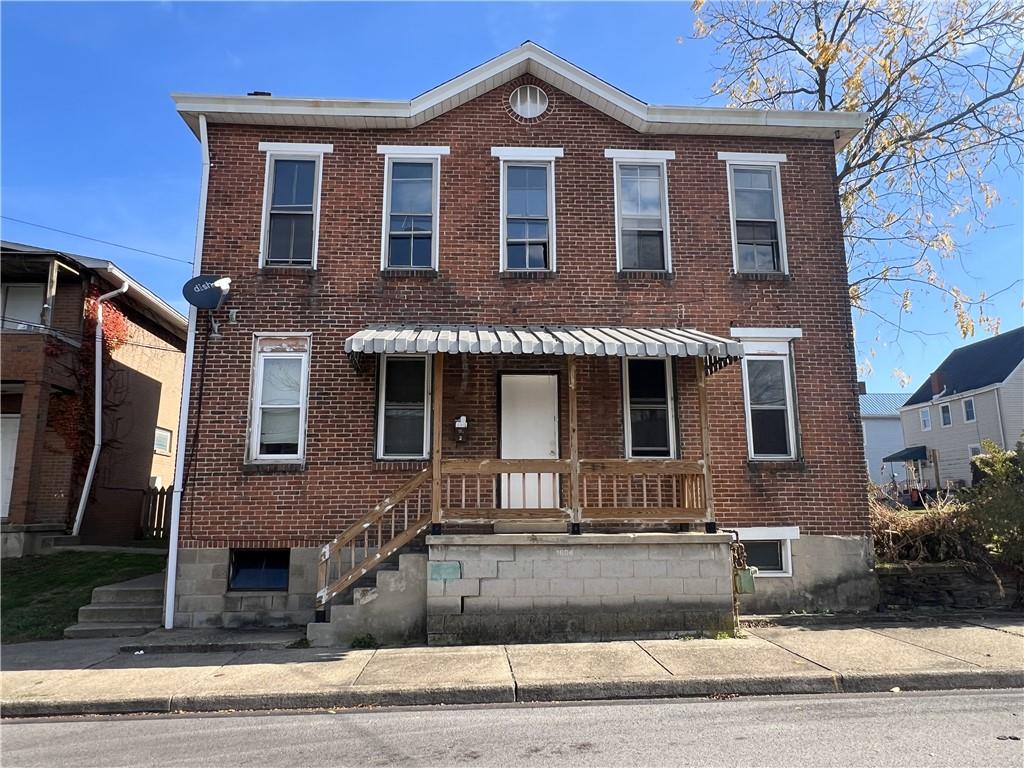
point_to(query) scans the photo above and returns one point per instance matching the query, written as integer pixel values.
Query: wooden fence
(155, 516)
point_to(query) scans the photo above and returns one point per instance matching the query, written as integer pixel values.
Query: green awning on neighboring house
(913, 453)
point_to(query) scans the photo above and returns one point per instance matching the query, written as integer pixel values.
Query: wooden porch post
(705, 445)
(51, 292)
(574, 451)
(437, 423)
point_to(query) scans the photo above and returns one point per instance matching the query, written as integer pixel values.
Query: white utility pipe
(97, 365)
(186, 389)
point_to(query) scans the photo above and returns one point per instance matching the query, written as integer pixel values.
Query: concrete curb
(581, 690)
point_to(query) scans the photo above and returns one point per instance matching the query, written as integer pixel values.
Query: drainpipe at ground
(97, 407)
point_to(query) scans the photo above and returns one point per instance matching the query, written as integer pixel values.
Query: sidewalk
(71, 677)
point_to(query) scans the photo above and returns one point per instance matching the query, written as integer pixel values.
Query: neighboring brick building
(47, 397)
(524, 194)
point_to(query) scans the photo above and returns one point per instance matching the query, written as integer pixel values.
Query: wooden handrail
(502, 466)
(640, 467)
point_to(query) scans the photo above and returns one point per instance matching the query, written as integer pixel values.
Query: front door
(9, 425)
(529, 430)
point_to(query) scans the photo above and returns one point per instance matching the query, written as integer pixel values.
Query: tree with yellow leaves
(941, 86)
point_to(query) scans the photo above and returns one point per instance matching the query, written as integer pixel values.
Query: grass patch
(41, 595)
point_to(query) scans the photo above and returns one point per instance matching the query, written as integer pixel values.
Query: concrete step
(147, 590)
(107, 629)
(123, 613)
(59, 540)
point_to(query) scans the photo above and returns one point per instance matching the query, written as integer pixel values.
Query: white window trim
(767, 333)
(671, 405)
(921, 419)
(949, 407)
(256, 390)
(973, 445)
(770, 343)
(539, 156)
(428, 416)
(755, 160)
(784, 535)
(974, 407)
(392, 154)
(639, 154)
(285, 151)
(170, 441)
(645, 159)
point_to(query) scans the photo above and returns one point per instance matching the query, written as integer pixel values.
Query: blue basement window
(259, 569)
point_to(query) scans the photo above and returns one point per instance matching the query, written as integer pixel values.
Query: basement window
(259, 569)
(770, 550)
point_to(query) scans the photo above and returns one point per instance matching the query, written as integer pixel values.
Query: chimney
(937, 386)
(862, 387)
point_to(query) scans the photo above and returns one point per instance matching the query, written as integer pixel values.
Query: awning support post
(705, 445)
(437, 382)
(576, 513)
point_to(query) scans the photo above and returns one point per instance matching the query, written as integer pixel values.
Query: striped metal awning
(619, 341)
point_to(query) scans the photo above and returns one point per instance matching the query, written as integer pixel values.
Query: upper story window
(926, 419)
(277, 429)
(755, 203)
(649, 424)
(641, 209)
(946, 415)
(291, 204)
(22, 305)
(527, 207)
(769, 393)
(412, 192)
(969, 414)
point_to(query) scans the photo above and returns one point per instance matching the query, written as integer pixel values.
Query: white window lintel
(769, 533)
(767, 333)
(751, 157)
(411, 151)
(527, 153)
(285, 147)
(639, 154)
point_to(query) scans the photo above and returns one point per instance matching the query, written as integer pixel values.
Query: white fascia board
(769, 533)
(398, 149)
(527, 153)
(766, 333)
(943, 399)
(296, 148)
(639, 154)
(751, 157)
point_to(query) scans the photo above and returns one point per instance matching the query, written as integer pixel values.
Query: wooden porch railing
(490, 490)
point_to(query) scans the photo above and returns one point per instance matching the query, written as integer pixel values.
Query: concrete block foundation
(562, 588)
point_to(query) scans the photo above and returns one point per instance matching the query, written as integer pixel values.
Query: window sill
(527, 274)
(271, 269)
(762, 277)
(645, 274)
(392, 272)
(255, 592)
(776, 465)
(399, 465)
(273, 468)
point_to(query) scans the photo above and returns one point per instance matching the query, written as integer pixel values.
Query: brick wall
(340, 481)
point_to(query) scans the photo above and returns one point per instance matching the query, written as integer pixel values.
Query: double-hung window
(925, 416)
(755, 202)
(527, 207)
(648, 398)
(411, 206)
(641, 209)
(969, 415)
(280, 398)
(769, 394)
(403, 407)
(291, 204)
(946, 415)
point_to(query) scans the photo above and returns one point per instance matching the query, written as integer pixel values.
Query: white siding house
(883, 434)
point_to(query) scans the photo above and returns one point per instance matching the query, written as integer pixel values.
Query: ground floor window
(280, 381)
(404, 395)
(770, 550)
(769, 394)
(649, 423)
(259, 569)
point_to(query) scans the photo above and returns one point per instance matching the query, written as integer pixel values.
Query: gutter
(97, 438)
(186, 389)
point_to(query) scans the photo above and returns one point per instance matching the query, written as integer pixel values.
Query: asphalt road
(896, 729)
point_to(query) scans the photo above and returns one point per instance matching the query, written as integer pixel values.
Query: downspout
(186, 388)
(97, 440)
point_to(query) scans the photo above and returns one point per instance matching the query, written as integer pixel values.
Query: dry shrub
(943, 531)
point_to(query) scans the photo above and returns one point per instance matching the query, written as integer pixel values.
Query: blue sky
(91, 143)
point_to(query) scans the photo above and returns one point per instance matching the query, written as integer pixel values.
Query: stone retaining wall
(555, 587)
(941, 585)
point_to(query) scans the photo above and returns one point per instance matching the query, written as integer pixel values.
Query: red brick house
(541, 322)
(48, 305)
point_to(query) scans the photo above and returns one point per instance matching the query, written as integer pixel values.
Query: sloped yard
(41, 595)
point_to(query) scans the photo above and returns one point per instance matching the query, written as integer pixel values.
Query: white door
(9, 439)
(529, 430)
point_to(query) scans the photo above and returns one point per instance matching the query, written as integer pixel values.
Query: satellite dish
(206, 291)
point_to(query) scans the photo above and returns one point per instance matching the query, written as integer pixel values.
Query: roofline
(957, 395)
(137, 290)
(838, 127)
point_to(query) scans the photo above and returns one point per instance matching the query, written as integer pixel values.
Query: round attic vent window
(528, 101)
